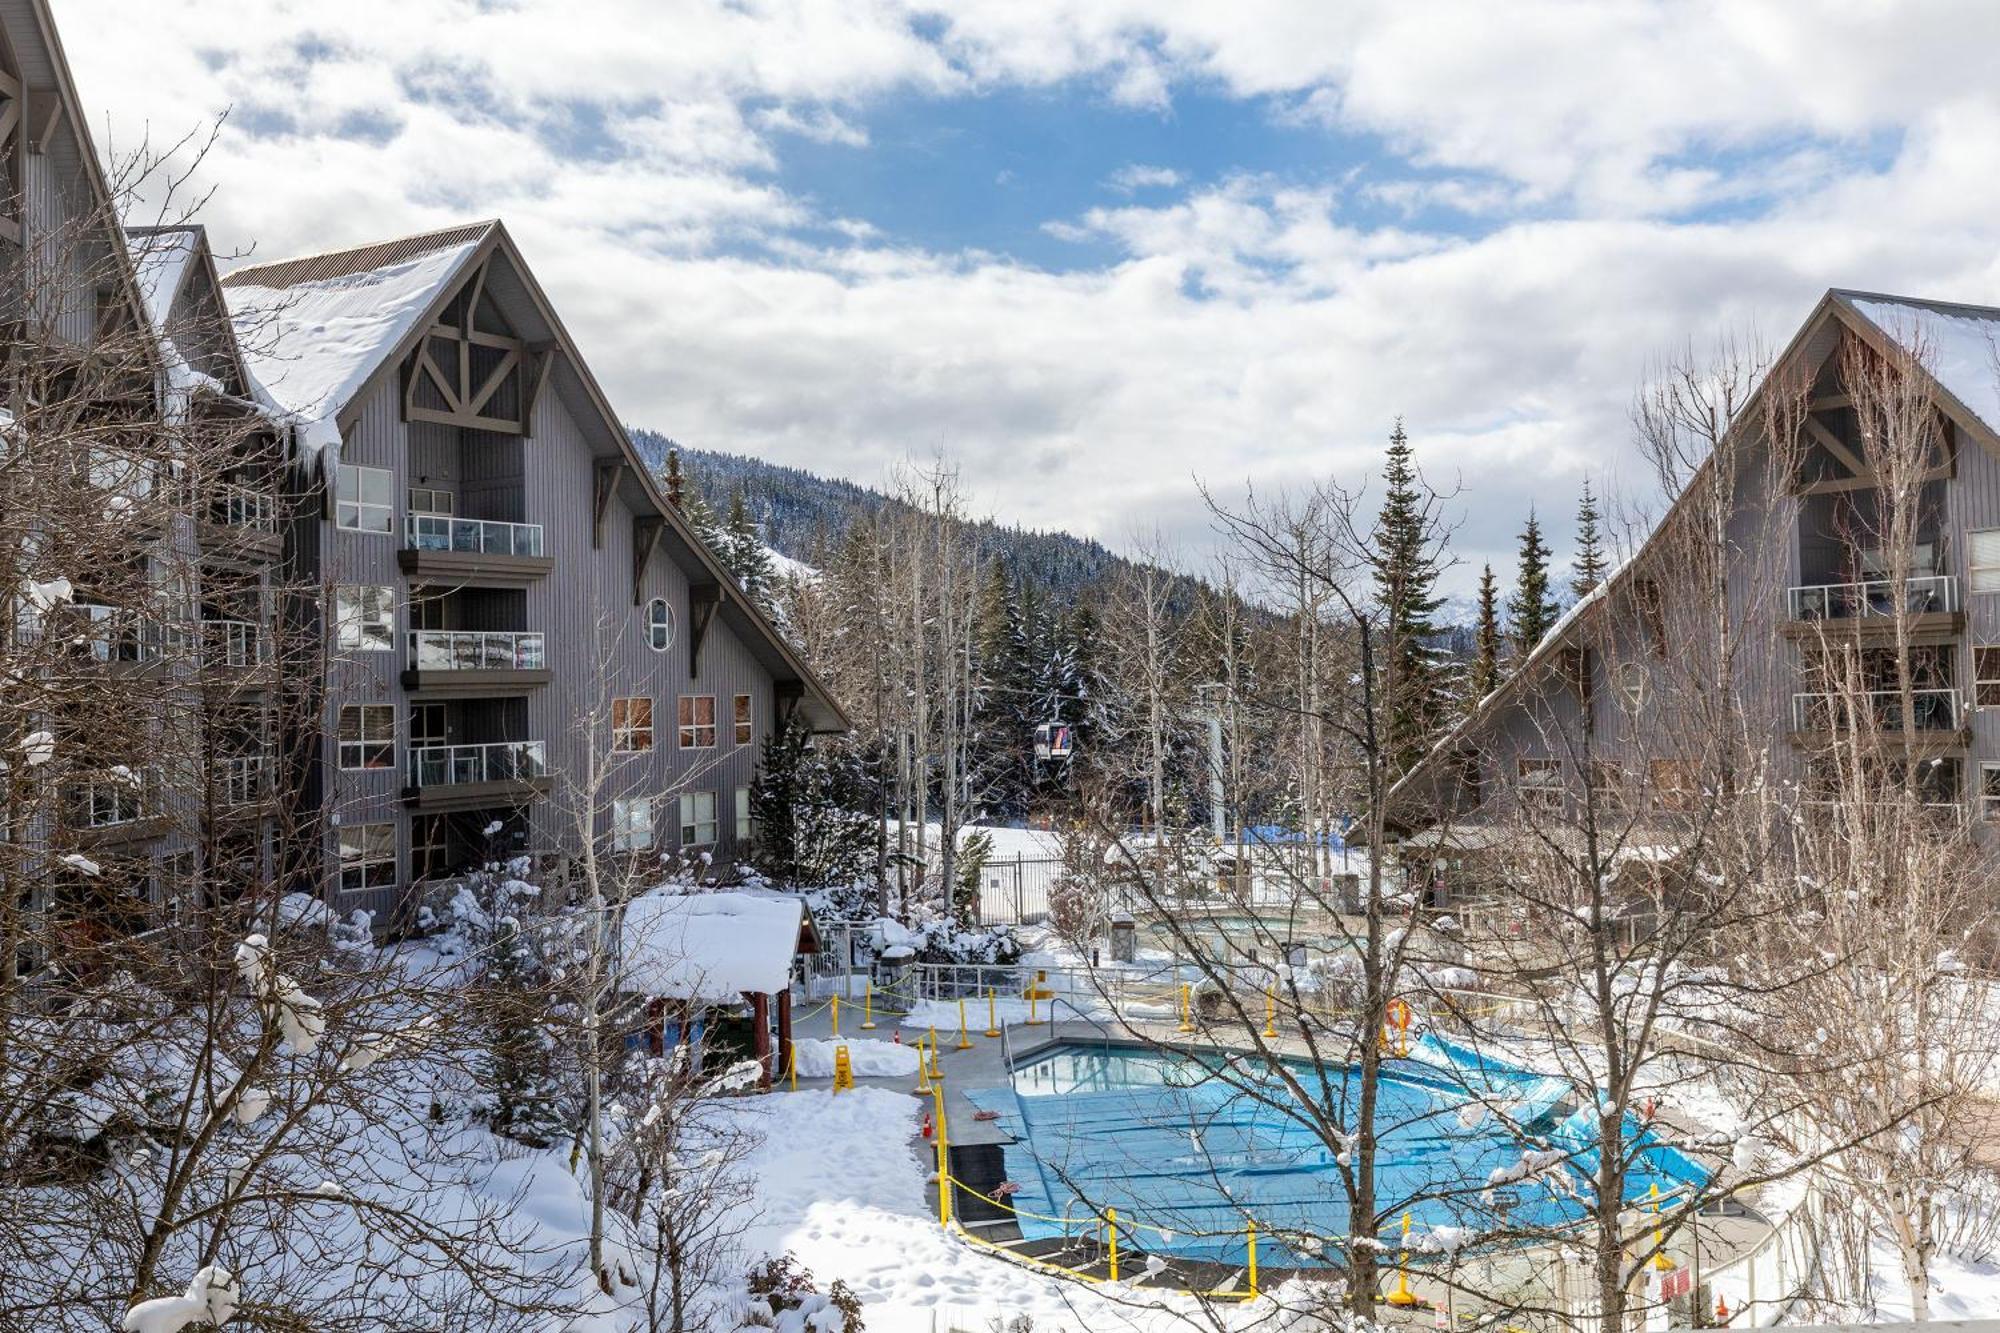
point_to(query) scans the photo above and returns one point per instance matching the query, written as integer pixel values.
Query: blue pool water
(1187, 1160)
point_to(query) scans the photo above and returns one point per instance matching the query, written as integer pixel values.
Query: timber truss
(469, 369)
(1832, 455)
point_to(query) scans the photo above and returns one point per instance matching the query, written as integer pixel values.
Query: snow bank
(710, 946)
(870, 1058)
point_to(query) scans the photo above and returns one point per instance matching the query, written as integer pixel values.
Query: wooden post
(760, 1020)
(786, 1057)
(656, 1025)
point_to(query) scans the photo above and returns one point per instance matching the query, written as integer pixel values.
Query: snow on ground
(841, 1185)
(869, 1057)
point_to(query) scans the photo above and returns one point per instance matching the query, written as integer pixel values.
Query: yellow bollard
(923, 1070)
(1187, 1007)
(1111, 1218)
(868, 1006)
(937, 1070)
(1252, 1241)
(1661, 1262)
(944, 1168)
(1032, 1020)
(1402, 1296)
(964, 1038)
(836, 1015)
(792, 1052)
(1270, 1015)
(992, 1012)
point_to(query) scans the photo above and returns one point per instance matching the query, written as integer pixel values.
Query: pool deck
(985, 1065)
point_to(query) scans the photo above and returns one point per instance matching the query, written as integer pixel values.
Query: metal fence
(1016, 892)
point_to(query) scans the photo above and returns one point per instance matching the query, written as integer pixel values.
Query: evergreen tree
(809, 804)
(742, 549)
(1589, 567)
(1486, 640)
(1532, 609)
(1404, 558)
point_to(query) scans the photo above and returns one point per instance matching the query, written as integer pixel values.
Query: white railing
(1922, 594)
(117, 635)
(497, 761)
(232, 643)
(242, 507)
(477, 650)
(472, 536)
(1766, 1281)
(1931, 710)
(239, 780)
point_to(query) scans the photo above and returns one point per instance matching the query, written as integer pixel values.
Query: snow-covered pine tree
(1485, 640)
(1405, 566)
(1587, 570)
(743, 551)
(1531, 610)
(809, 804)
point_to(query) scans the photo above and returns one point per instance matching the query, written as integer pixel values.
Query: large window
(659, 625)
(1989, 791)
(1540, 782)
(698, 819)
(745, 732)
(1674, 785)
(367, 856)
(367, 735)
(364, 499)
(1983, 555)
(632, 725)
(631, 824)
(744, 829)
(1986, 676)
(365, 617)
(697, 722)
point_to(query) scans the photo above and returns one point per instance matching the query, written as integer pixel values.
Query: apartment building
(1849, 614)
(525, 637)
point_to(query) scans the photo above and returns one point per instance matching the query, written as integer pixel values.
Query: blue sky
(1098, 252)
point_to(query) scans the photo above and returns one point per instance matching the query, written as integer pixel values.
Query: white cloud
(1255, 327)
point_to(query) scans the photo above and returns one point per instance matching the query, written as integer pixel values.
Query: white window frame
(629, 736)
(1982, 560)
(1989, 790)
(364, 742)
(689, 729)
(1980, 680)
(351, 514)
(364, 617)
(745, 829)
(659, 624)
(743, 719)
(694, 823)
(631, 823)
(362, 854)
(430, 500)
(1539, 782)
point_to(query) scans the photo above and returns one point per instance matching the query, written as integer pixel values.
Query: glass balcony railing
(239, 780)
(112, 634)
(477, 650)
(1931, 710)
(472, 536)
(242, 507)
(498, 761)
(231, 643)
(1922, 595)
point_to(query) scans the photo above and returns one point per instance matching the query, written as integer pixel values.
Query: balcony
(1938, 717)
(241, 521)
(1930, 604)
(467, 662)
(233, 645)
(473, 550)
(471, 777)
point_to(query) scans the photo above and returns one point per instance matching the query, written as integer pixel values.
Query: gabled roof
(1958, 346)
(323, 330)
(175, 269)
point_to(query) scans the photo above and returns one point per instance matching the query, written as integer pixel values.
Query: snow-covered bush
(784, 1296)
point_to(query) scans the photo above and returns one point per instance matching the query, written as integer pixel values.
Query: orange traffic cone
(1721, 1310)
(927, 1127)
(899, 1036)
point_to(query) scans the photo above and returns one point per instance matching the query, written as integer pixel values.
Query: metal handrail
(477, 650)
(475, 536)
(1935, 709)
(494, 761)
(236, 506)
(240, 642)
(1923, 593)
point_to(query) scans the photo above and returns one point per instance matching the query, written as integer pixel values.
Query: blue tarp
(1187, 1166)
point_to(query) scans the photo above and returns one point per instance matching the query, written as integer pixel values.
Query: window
(1983, 557)
(365, 617)
(697, 722)
(632, 724)
(1540, 782)
(1986, 676)
(367, 735)
(745, 733)
(698, 819)
(1989, 791)
(1674, 786)
(744, 830)
(430, 847)
(659, 625)
(631, 825)
(427, 724)
(363, 499)
(1633, 680)
(115, 796)
(428, 500)
(1607, 786)
(367, 856)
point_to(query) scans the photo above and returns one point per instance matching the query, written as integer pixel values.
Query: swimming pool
(1187, 1160)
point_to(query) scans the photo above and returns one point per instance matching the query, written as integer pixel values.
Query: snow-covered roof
(160, 258)
(1958, 344)
(710, 946)
(311, 345)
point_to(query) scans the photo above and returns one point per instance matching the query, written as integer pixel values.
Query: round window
(659, 625)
